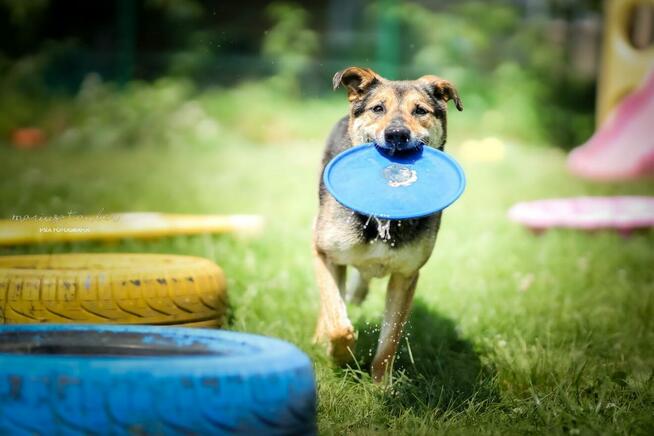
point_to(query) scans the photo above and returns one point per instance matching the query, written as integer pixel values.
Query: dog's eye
(378, 109)
(420, 111)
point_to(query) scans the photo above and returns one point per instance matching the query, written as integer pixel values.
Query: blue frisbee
(400, 186)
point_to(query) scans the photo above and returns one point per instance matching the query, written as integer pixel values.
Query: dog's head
(397, 115)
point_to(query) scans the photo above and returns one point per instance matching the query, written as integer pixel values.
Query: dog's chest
(376, 247)
(377, 258)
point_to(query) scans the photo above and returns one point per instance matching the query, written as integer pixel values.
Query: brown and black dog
(397, 116)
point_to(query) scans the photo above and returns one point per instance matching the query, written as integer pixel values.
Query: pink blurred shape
(588, 213)
(623, 147)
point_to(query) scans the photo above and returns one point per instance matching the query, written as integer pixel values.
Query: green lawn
(510, 332)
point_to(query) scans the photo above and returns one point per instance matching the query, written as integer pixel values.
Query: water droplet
(399, 175)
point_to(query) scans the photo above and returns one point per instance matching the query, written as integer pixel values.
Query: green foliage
(163, 114)
(24, 11)
(195, 58)
(290, 44)
(23, 96)
(160, 115)
(177, 9)
(513, 81)
(193, 52)
(260, 113)
(513, 74)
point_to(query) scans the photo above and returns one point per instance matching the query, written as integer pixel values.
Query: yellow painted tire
(112, 288)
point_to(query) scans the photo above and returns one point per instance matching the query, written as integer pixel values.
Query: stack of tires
(130, 372)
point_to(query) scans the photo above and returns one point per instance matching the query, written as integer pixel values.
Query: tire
(112, 288)
(85, 379)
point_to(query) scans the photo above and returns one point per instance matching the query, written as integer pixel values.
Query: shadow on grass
(435, 368)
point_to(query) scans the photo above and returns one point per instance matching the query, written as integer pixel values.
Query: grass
(510, 332)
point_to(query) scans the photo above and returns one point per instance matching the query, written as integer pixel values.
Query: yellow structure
(37, 229)
(624, 66)
(489, 149)
(118, 288)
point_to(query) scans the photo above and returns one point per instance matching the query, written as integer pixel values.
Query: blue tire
(104, 379)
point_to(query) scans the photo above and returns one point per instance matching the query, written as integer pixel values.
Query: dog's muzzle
(397, 137)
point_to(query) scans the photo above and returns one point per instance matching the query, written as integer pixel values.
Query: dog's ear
(442, 90)
(357, 81)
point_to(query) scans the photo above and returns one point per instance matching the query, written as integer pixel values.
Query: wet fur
(359, 228)
(345, 238)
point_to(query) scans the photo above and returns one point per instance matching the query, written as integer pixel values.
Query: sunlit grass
(510, 332)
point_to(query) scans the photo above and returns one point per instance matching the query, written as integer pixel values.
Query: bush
(160, 114)
(23, 97)
(290, 44)
(514, 75)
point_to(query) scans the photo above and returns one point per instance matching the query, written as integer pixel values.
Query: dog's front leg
(398, 303)
(333, 322)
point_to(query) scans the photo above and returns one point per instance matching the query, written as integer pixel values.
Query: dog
(397, 116)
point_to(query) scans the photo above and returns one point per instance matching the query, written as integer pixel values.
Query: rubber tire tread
(259, 386)
(114, 288)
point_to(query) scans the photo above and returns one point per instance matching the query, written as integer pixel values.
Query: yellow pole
(22, 230)
(624, 66)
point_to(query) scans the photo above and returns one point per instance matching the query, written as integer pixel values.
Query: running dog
(397, 116)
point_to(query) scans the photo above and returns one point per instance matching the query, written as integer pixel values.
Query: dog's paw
(379, 370)
(341, 344)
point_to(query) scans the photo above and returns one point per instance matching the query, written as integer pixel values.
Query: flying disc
(394, 186)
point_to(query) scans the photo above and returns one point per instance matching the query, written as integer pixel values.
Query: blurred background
(527, 68)
(192, 106)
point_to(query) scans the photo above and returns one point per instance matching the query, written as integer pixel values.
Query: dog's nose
(397, 136)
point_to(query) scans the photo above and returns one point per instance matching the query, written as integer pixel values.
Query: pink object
(588, 213)
(623, 147)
